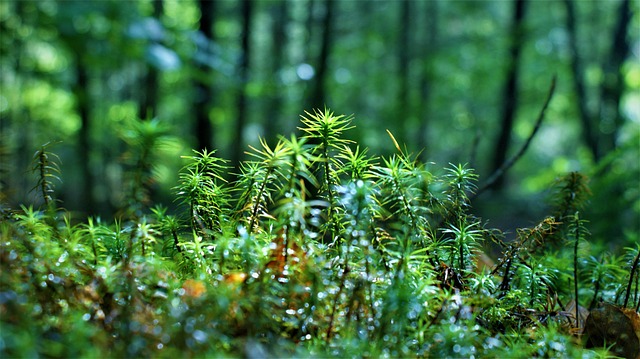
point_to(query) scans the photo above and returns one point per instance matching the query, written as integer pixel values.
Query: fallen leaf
(193, 288)
(577, 327)
(609, 325)
(235, 277)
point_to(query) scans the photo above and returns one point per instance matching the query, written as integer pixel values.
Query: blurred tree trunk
(21, 154)
(612, 87)
(510, 91)
(317, 94)
(311, 25)
(403, 111)
(600, 129)
(81, 93)
(588, 132)
(428, 50)
(203, 87)
(149, 101)
(243, 75)
(279, 21)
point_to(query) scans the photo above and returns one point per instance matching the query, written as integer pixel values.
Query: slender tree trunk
(19, 118)
(600, 129)
(612, 87)
(510, 91)
(243, 74)
(149, 101)
(588, 132)
(311, 29)
(81, 92)
(403, 111)
(279, 23)
(430, 39)
(204, 91)
(317, 96)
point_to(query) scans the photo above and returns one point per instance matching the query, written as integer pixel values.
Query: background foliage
(443, 76)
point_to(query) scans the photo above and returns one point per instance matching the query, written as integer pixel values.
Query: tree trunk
(81, 92)
(510, 94)
(403, 111)
(149, 99)
(204, 91)
(243, 74)
(600, 130)
(19, 119)
(588, 132)
(612, 87)
(428, 49)
(279, 22)
(317, 96)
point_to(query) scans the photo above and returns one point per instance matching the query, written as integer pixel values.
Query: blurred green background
(456, 81)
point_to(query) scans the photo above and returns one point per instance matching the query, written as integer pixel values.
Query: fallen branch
(511, 161)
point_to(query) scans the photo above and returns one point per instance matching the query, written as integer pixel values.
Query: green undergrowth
(314, 248)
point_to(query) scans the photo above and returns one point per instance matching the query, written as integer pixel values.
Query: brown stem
(634, 267)
(575, 269)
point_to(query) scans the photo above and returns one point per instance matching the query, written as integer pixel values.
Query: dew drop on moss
(199, 336)
(63, 257)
